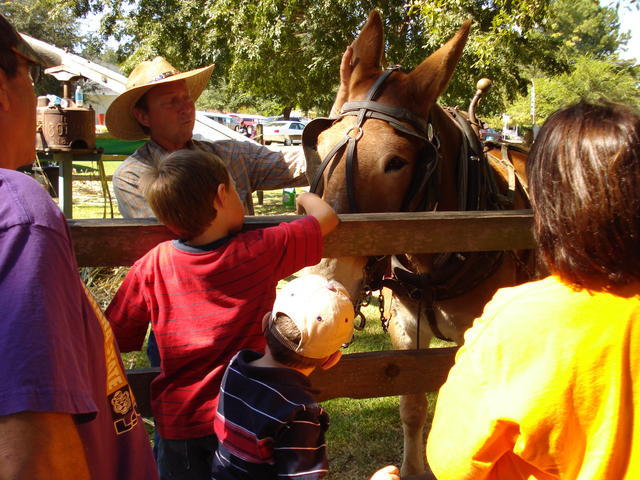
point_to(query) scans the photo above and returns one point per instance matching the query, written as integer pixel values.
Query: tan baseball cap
(322, 311)
(119, 118)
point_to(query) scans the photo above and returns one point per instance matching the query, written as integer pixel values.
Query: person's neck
(267, 361)
(168, 145)
(214, 232)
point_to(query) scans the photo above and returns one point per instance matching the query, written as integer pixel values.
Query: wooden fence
(119, 242)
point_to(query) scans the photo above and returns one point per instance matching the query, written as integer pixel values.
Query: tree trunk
(286, 112)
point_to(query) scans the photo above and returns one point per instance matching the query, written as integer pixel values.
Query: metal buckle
(358, 135)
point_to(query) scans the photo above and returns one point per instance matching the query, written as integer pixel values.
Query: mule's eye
(394, 163)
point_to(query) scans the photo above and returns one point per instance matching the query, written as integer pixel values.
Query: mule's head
(386, 158)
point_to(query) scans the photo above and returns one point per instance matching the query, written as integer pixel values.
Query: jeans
(152, 351)
(186, 459)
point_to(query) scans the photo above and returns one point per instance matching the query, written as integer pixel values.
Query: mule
(394, 149)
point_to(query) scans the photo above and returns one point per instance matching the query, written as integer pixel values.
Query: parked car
(285, 131)
(490, 135)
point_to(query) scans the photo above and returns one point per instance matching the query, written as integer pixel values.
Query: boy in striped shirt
(204, 295)
(268, 423)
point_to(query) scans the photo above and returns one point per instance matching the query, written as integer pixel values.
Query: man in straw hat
(66, 409)
(159, 103)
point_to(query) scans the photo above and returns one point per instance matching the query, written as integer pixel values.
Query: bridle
(401, 119)
(423, 195)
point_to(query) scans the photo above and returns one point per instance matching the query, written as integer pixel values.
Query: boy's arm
(128, 315)
(316, 207)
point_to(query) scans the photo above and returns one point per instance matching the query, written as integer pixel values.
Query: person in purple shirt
(66, 409)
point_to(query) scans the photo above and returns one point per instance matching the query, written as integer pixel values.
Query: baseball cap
(10, 39)
(322, 311)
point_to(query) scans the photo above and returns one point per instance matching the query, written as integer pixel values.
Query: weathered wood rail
(119, 242)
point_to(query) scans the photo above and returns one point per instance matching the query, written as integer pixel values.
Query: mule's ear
(368, 48)
(431, 77)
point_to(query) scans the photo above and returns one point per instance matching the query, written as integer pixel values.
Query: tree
(48, 20)
(290, 49)
(591, 79)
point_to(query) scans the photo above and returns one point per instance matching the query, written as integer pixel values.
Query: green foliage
(590, 78)
(49, 20)
(289, 50)
(224, 98)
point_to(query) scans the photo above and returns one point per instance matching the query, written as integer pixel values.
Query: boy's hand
(390, 472)
(317, 207)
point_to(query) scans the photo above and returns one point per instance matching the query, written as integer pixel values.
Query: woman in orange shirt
(547, 384)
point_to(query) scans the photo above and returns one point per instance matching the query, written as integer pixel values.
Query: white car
(285, 131)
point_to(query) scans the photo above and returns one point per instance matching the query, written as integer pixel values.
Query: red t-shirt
(205, 305)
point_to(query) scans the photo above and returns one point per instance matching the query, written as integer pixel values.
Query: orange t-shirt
(546, 386)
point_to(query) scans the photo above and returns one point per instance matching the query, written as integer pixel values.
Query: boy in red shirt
(205, 295)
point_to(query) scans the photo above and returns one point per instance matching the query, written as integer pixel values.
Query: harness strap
(511, 172)
(351, 156)
(390, 114)
(318, 175)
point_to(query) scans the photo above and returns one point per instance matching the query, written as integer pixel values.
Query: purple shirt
(57, 352)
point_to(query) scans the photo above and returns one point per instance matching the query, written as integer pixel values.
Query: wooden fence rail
(361, 375)
(116, 242)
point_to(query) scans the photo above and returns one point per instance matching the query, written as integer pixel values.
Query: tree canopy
(278, 54)
(590, 37)
(290, 49)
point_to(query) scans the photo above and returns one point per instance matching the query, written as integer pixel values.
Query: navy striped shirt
(268, 424)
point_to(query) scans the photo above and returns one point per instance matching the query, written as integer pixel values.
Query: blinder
(401, 119)
(310, 135)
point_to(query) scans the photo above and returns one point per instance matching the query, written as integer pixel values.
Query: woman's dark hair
(584, 180)
(181, 190)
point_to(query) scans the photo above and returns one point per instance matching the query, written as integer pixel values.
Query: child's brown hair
(182, 188)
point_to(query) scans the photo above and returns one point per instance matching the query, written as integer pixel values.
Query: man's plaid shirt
(253, 167)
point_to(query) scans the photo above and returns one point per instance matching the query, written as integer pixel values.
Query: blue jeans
(152, 351)
(186, 459)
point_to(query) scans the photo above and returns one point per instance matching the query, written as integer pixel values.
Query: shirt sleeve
(299, 449)
(268, 169)
(126, 186)
(43, 345)
(300, 243)
(128, 313)
(490, 412)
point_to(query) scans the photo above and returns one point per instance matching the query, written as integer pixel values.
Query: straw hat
(120, 119)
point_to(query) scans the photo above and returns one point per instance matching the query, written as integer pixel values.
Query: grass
(364, 434)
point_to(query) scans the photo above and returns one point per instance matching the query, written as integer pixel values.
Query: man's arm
(37, 446)
(126, 186)
(315, 206)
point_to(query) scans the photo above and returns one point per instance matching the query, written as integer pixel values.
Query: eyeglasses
(34, 69)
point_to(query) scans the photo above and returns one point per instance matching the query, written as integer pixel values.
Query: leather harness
(453, 274)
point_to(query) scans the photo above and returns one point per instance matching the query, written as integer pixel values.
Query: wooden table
(65, 159)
